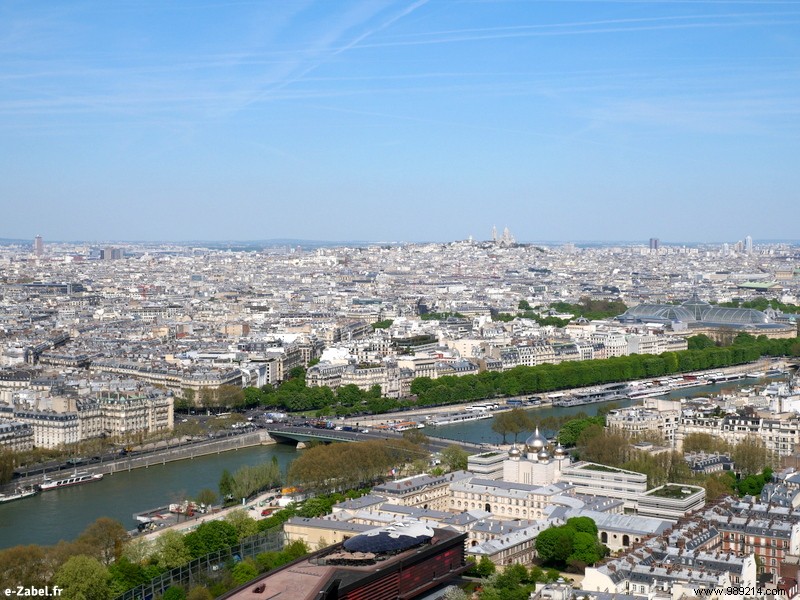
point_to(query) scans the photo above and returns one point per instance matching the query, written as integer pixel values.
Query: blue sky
(401, 120)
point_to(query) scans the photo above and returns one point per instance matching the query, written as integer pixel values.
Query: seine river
(63, 514)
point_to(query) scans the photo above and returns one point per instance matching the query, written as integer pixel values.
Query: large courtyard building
(695, 316)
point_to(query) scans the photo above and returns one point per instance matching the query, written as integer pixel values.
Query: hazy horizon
(285, 241)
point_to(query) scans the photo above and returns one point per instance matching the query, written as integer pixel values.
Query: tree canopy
(573, 544)
(210, 536)
(334, 466)
(512, 422)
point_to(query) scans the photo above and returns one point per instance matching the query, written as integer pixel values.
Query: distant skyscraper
(654, 243)
(748, 245)
(38, 246)
(110, 253)
(494, 233)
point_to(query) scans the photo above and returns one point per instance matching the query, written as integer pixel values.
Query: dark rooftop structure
(407, 565)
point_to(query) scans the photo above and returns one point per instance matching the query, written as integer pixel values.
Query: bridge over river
(294, 434)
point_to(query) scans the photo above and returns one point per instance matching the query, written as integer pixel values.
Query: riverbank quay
(252, 507)
(387, 418)
(158, 456)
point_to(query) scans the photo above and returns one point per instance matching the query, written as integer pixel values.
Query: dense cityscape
(400, 300)
(636, 403)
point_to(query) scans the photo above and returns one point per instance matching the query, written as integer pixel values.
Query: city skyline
(38, 244)
(406, 121)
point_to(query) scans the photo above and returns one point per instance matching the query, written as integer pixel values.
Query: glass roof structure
(660, 312)
(695, 311)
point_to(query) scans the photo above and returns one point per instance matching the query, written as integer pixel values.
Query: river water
(63, 514)
(480, 432)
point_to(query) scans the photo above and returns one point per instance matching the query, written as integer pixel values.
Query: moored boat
(17, 495)
(449, 419)
(74, 479)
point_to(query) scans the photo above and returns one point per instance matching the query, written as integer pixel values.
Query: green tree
(248, 480)
(230, 396)
(416, 437)
(244, 571)
(226, 484)
(315, 507)
(750, 455)
(512, 422)
(485, 567)
(174, 593)
(297, 373)
(718, 485)
(214, 535)
(83, 578)
(753, 484)
(6, 465)
(586, 550)
(126, 575)
(571, 430)
(208, 399)
(103, 539)
(349, 395)
(607, 447)
(554, 545)
(170, 550)
(244, 524)
(455, 458)
(583, 525)
(536, 574)
(700, 342)
(189, 397)
(206, 496)
(252, 397)
(27, 566)
(704, 442)
(199, 592)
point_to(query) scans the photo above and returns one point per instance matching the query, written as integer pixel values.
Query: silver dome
(537, 441)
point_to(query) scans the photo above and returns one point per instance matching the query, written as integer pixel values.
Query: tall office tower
(494, 233)
(726, 249)
(38, 246)
(654, 243)
(110, 253)
(748, 245)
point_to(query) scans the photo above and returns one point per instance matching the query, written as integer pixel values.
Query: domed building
(536, 446)
(538, 466)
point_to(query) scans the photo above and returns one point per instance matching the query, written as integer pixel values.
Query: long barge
(74, 479)
(459, 418)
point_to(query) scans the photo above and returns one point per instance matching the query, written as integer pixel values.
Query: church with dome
(535, 463)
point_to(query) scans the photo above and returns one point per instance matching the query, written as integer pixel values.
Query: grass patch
(675, 492)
